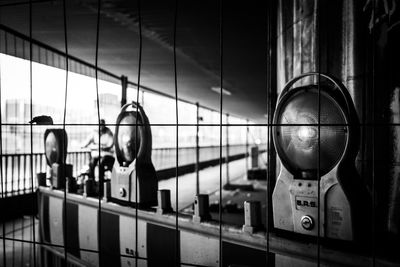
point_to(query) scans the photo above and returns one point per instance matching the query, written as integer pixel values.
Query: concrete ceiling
(198, 45)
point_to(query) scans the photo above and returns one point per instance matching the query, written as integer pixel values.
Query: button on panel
(307, 222)
(122, 192)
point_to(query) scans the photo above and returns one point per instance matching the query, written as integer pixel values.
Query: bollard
(41, 178)
(201, 208)
(88, 188)
(107, 190)
(252, 216)
(254, 156)
(164, 201)
(71, 184)
(256, 172)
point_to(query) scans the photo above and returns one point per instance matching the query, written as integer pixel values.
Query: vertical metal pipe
(36, 163)
(12, 175)
(227, 149)
(197, 167)
(41, 163)
(124, 86)
(19, 171)
(24, 171)
(247, 146)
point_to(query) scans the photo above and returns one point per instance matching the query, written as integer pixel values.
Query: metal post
(227, 149)
(164, 201)
(247, 145)
(197, 167)
(252, 216)
(124, 87)
(201, 208)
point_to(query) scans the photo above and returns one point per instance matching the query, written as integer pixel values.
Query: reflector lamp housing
(55, 146)
(55, 150)
(316, 133)
(133, 178)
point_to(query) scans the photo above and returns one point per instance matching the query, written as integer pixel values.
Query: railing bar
(163, 159)
(41, 162)
(1, 178)
(25, 170)
(35, 169)
(79, 163)
(22, 172)
(12, 176)
(19, 171)
(6, 174)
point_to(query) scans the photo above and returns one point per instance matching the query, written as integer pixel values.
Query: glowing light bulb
(305, 133)
(125, 139)
(306, 137)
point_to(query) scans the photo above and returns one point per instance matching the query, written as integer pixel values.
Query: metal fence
(17, 167)
(17, 173)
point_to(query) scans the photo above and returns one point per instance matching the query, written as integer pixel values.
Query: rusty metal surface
(296, 39)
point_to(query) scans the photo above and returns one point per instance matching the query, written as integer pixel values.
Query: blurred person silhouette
(106, 157)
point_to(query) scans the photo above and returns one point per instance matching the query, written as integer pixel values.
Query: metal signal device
(133, 178)
(55, 144)
(316, 135)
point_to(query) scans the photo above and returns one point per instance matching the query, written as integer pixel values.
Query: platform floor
(18, 246)
(209, 182)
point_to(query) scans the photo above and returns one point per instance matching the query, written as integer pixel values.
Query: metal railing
(165, 158)
(16, 168)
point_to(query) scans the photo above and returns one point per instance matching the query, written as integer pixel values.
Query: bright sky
(48, 84)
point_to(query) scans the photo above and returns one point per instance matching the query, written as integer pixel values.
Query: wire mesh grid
(41, 251)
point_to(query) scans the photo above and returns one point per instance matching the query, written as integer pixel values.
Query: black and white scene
(199, 133)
